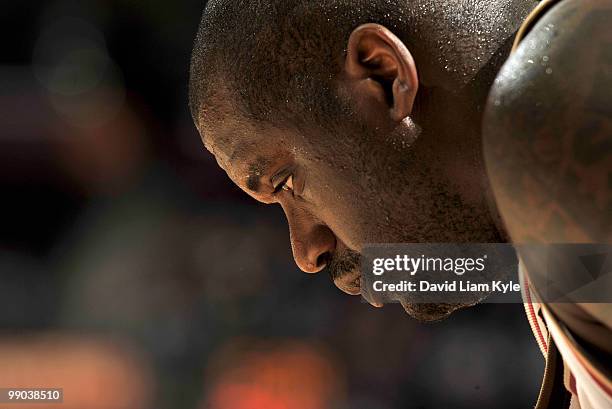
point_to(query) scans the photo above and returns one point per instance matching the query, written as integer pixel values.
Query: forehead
(247, 151)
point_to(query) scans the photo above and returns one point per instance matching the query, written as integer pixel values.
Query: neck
(453, 119)
(463, 37)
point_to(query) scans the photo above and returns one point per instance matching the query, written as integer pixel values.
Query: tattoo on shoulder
(548, 129)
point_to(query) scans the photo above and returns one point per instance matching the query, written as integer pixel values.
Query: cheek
(348, 212)
(348, 199)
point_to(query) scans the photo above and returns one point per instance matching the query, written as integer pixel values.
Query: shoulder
(547, 128)
(573, 37)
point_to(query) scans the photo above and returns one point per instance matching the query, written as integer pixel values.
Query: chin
(428, 312)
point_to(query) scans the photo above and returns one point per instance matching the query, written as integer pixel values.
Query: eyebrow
(256, 170)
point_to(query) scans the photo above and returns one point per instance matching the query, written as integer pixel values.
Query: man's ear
(382, 68)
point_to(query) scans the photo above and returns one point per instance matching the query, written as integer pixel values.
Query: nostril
(323, 259)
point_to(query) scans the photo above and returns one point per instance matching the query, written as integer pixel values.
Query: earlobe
(376, 54)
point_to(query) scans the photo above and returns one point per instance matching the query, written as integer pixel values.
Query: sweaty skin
(548, 141)
(343, 195)
(548, 129)
(402, 159)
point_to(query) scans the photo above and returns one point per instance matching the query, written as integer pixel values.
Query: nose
(312, 242)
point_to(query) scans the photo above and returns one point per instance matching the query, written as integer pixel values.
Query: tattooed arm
(548, 128)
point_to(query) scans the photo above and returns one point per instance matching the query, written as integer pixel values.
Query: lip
(350, 283)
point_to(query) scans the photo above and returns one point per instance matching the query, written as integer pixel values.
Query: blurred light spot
(72, 63)
(254, 374)
(94, 373)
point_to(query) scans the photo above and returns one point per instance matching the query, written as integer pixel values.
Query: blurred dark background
(134, 275)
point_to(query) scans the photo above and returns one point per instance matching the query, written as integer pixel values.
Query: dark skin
(377, 177)
(548, 137)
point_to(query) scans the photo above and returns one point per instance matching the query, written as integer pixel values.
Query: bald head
(279, 59)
